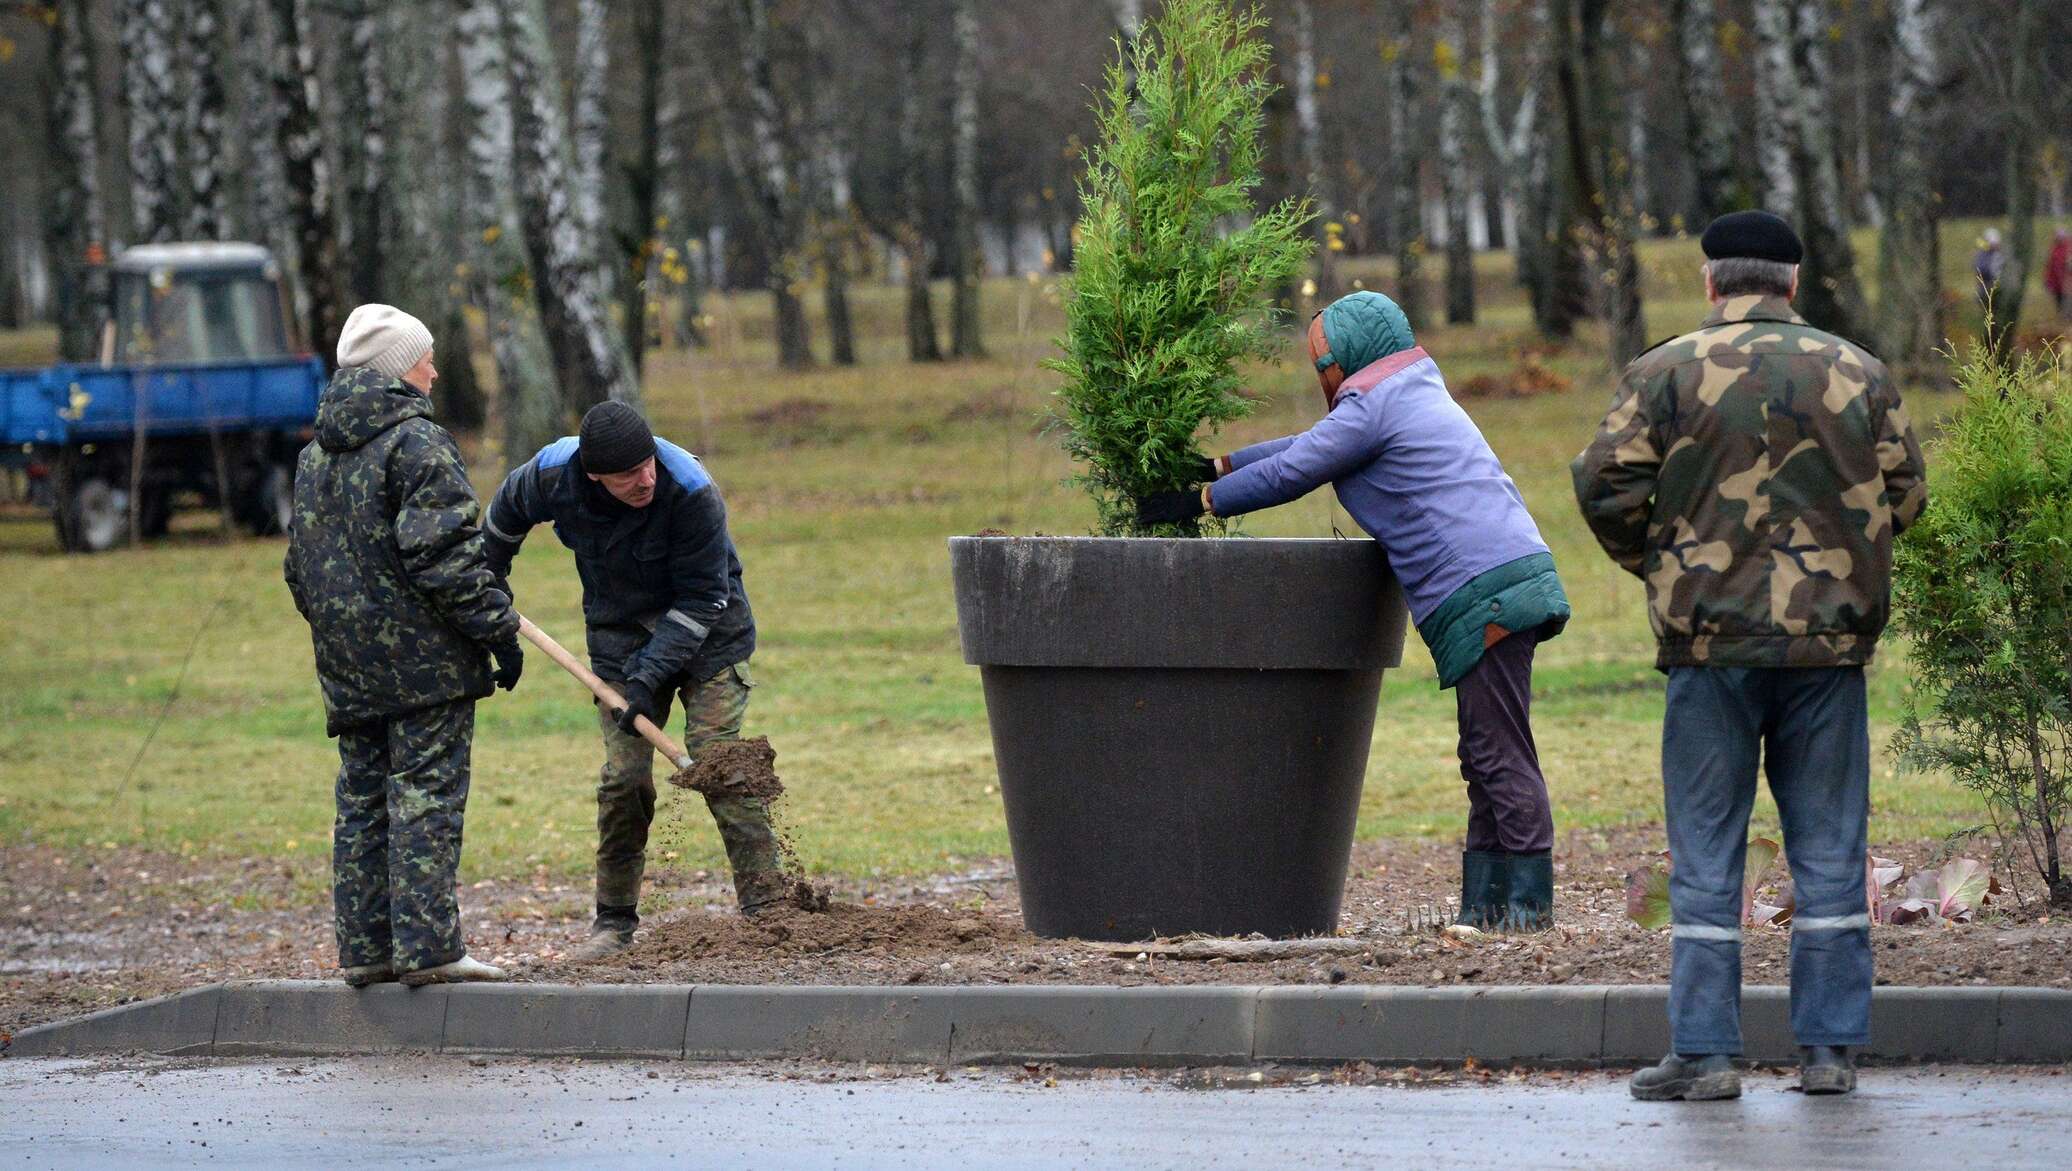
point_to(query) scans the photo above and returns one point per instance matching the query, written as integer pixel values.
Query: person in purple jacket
(1412, 469)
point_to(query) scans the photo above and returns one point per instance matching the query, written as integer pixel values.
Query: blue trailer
(197, 397)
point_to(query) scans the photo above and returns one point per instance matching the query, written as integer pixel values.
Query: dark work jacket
(384, 557)
(662, 592)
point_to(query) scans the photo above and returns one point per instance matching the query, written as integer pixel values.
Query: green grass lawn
(843, 486)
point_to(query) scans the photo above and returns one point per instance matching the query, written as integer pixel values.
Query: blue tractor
(199, 397)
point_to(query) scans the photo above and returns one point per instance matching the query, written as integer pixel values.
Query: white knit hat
(383, 338)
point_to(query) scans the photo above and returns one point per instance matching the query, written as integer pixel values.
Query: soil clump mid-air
(734, 768)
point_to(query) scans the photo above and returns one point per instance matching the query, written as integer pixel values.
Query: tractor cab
(204, 302)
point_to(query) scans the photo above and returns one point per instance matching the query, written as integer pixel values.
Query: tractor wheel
(93, 514)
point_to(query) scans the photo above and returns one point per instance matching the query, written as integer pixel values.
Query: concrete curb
(1081, 1025)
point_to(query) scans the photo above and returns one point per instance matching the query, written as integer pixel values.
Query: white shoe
(465, 970)
(362, 975)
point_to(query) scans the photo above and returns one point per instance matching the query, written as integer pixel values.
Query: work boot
(1484, 877)
(1693, 1079)
(761, 891)
(610, 934)
(361, 975)
(465, 970)
(1826, 1069)
(1529, 893)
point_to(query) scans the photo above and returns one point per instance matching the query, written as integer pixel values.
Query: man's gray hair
(1740, 276)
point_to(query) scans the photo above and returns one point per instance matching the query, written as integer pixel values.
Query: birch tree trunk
(1708, 120)
(1449, 56)
(768, 170)
(913, 174)
(834, 215)
(208, 216)
(363, 130)
(76, 221)
(2024, 67)
(1776, 105)
(151, 102)
(674, 258)
(1322, 192)
(1406, 221)
(965, 327)
(308, 175)
(1910, 325)
(1830, 296)
(498, 280)
(1518, 149)
(588, 360)
(264, 210)
(654, 147)
(1600, 206)
(592, 124)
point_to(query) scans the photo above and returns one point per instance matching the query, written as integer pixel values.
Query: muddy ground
(82, 930)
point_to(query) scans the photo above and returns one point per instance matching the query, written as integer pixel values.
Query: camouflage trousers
(395, 850)
(626, 798)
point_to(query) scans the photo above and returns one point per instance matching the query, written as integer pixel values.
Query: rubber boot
(1826, 1069)
(1692, 1079)
(465, 970)
(1529, 893)
(610, 933)
(361, 975)
(1484, 877)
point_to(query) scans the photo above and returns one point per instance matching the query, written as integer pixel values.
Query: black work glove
(504, 583)
(1204, 472)
(510, 663)
(1169, 508)
(640, 701)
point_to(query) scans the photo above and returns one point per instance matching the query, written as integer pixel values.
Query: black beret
(1754, 235)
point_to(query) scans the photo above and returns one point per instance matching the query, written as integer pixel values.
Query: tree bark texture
(1910, 324)
(639, 247)
(1449, 56)
(1708, 120)
(297, 97)
(591, 121)
(364, 130)
(151, 101)
(588, 360)
(1309, 130)
(77, 223)
(263, 208)
(966, 339)
(913, 175)
(1406, 220)
(2024, 68)
(1518, 148)
(1601, 217)
(834, 212)
(1776, 105)
(499, 282)
(208, 214)
(1830, 296)
(767, 168)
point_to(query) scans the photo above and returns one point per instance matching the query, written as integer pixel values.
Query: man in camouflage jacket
(387, 565)
(1754, 473)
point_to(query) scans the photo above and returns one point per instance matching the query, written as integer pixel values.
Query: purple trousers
(1508, 809)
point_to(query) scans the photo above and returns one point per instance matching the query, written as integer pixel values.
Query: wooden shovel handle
(613, 701)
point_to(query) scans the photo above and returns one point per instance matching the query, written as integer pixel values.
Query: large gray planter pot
(1181, 726)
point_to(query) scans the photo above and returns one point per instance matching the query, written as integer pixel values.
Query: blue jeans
(1810, 729)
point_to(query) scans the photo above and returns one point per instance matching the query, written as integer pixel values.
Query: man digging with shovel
(666, 615)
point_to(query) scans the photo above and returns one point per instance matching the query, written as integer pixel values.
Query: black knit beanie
(613, 438)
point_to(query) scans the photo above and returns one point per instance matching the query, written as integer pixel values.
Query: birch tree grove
(365, 116)
(1518, 147)
(913, 168)
(308, 175)
(1910, 326)
(76, 224)
(833, 213)
(1309, 130)
(150, 99)
(1708, 120)
(208, 217)
(768, 170)
(1600, 207)
(1776, 106)
(965, 328)
(592, 126)
(498, 281)
(1449, 53)
(1830, 296)
(1406, 219)
(568, 281)
(263, 214)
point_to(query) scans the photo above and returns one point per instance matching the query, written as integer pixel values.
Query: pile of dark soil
(734, 768)
(1530, 377)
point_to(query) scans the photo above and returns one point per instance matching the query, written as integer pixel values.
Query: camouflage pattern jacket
(1754, 473)
(384, 557)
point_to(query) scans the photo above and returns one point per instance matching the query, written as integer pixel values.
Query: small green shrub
(1173, 261)
(1983, 588)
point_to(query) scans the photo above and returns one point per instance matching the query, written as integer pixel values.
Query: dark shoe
(361, 975)
(610, 934)
(1692, 1079)
(1484, 876)
(1529, 894)
(1826, 1069)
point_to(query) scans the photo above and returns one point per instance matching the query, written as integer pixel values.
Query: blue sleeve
(519, 504)
(1343, 442)
(1245, 456)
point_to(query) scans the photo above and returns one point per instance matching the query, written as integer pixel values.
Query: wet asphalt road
(447, 1112)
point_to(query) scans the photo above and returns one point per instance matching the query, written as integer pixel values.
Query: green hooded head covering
(1363, 328)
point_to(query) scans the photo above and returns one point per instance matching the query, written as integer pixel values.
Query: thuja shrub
(1983, 588)
(1173, 261)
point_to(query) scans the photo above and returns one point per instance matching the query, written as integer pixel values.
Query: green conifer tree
(1173, 261)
